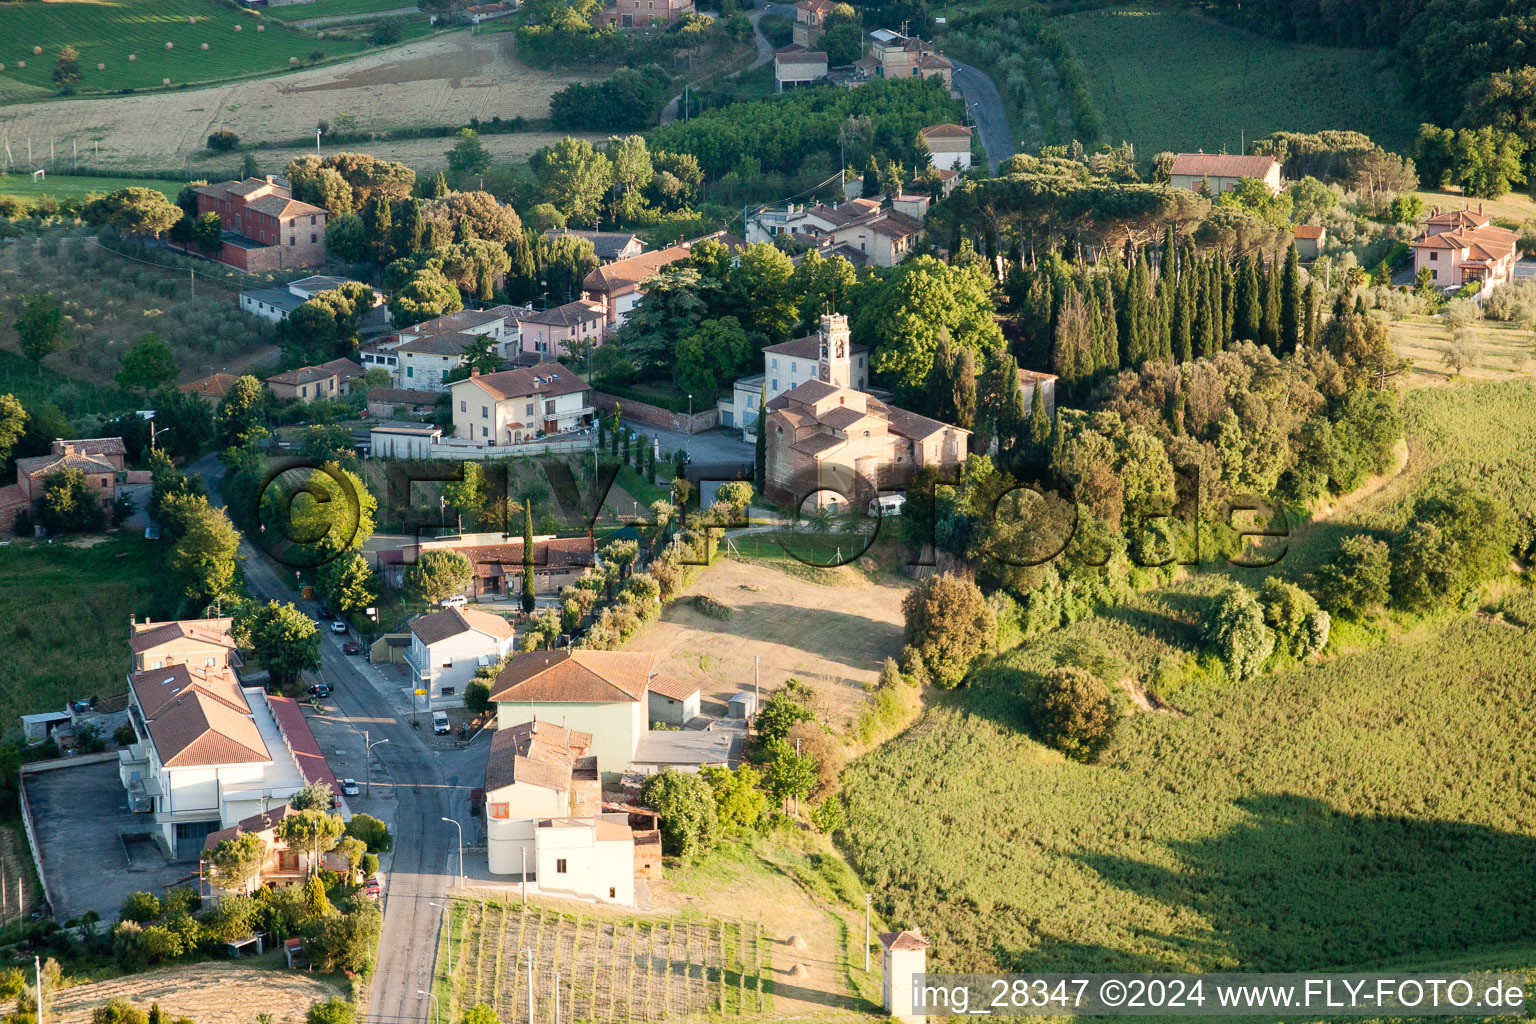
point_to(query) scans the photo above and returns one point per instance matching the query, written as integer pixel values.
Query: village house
(605, 693)
(275, 304)
(426, 363)
(553, 333)
(1462, 247)
(513, 406)
(643, 13)
(949, 146)
(384, 403)
(884, 234)
(499, 323)
(1220, 172)
(496, 562)
(211, 389)
(1046, 382)
(208, 751)
(810, 21)
(281, 865)
(99, 459)
(898, 56)
(1310, 239)
(834, 444)
(786, 366)
(307, 383)
(608, 246)
(796, 67)
(544, 815)
(449, 646)
(265, 228)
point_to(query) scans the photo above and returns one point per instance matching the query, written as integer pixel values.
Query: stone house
(265, 228)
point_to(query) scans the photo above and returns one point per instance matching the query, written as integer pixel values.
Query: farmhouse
(553, 333)
(212, 388)
(425, 363)
(898, 56)
(386, 402)
(497, 563)
(949, 146)
(1462, 247)
(1029, 380)
(609, 246)
(307, 383)
(643, 13)
(810, 21)
(1220, 172)
(795, 68)
(827, 440)
(519, 405)
(100, 459)
(449, 646)
(884, 235)
(265, 228)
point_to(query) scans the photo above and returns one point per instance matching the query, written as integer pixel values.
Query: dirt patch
(1147, 701)
(208, 993)
(446, 80)
(86, 542)
(834, 638)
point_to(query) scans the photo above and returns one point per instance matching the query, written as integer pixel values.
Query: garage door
(190, 836)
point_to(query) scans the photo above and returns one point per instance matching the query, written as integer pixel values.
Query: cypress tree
(941, 382)
(1228, 299)
(437, 188)
(1183, 317)
(1290, 302)
(1039, 422)
(870, 187)
(1309, 321)
(602, 433)
(528, 599)
(761, 447)
(1269, 327)
(1210, 302)
(410, 227)
(1109, 354)
(522, 276)
(1247, 305)
(964, 398)
(378, 229)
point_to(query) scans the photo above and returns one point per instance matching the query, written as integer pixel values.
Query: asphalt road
(424, 863)
(986, 109)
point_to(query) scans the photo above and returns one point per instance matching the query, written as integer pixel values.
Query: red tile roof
(1222, 165)
(306, 751)
(577, 677)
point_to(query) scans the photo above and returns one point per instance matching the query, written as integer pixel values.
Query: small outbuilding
(1310, 239)
(39, 727)
(671, 701)
(741, 706)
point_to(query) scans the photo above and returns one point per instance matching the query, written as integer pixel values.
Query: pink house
(552, 333)
(1459, 247)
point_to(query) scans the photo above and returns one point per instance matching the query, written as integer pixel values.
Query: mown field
(109, 33)
(23, 187)
(64, 618)
(1502, 350)
(1370, 810)
(336, 9)
(1171, 81)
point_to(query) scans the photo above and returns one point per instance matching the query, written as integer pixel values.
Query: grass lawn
(64, 617)
(1349, 813)
(60, 185)
(1516, 206)
(108, 33)
(1171, 81)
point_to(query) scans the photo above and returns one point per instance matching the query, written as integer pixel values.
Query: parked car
(440, 723)
(352, 647)
(325, 611)
(338, 626)
(456, 601)
(349, 787)
(320, 690)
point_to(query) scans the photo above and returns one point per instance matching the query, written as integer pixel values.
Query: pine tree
(1290, 302)
(761, 446)
(528, 598)
(1269, 328)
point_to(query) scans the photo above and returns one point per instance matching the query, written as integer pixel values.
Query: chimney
(474, 371)
(133, 620)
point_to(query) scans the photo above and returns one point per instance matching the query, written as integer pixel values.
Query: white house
(796, 68)
(949, 146)
(275, 304)
(1221, 172)
(543, 814)
(448, 646)
(786, 366)
(520, 405)
(394, 440)
(904, 957)
(415, 367)
(598, 692)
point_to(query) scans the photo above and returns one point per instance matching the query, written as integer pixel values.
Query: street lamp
(368, 762)
(461, 848)
(317, 140)
(690, 405)
(448, 920)
(867, 898)
(436, 1007)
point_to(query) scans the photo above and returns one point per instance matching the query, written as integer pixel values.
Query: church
(832, 443)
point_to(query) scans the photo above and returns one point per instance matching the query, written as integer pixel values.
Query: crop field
(209, 993)
(317, 9)
(1356, 811)
(611, 967)
(46, 592)
(181, 40)
(1172, 81)
(1503, 351)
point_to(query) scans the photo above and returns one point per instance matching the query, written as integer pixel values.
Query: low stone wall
(655, 416)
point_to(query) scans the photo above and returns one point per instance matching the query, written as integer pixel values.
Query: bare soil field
(834, 638)
(211, 993)
(445, 80)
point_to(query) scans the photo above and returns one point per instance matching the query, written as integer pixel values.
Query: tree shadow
(1299, 885)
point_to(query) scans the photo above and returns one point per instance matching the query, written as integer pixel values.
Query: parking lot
(83, 826)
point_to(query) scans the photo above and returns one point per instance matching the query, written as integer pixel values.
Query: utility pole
(867, 899)
(757, 682)
(37, 966)
(524, 877)
(528, 955)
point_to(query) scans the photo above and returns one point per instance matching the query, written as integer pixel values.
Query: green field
(109, 32)
(60, 185)
(1369, 810)
(1172, 81)
(334, 9)
(64, 618)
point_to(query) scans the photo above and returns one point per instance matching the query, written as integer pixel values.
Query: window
(445, 376)
(613, 893)
(1434, 257)
(209, 662)
(484, 432)
(463, 406)
(313, 238)
(410, 371)
(1434, 275)
(291, 240)
(560, 866)
(311, 220)
(485, 413)
(157, 664)
(775, 383)
(449, 691)
(304, 392)
(529, 411)
(498, 811)
(775, 362)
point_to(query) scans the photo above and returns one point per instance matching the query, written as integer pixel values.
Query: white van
(456, 601)
(887, 505)
(440, 723)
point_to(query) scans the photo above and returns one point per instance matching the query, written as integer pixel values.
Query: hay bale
(261, 28)
(21, 64)
(165, 81)
(101, 67)
(203, 47)
(36, 50)
(191, 21)
(132, 57)
(293, 62)
(170, 46)
(239, 28)
(798, 971)
(795, 942)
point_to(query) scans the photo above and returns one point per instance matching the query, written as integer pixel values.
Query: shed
(389, 649)
(742, 705)
(1310, 239)
(293, 950)
(671, 701)
(237, 948)
(682, 751)
(40, 726)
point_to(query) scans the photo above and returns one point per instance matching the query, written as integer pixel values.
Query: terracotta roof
(1034, 376)
(669, 686)
(545, 380)
(1222, 165)
(914, 427)
(450, 343)
(906, 940)
(52, 463)
(403, 396)
(1464, 217)
(934, 60)
(345, 369)
(301, 375)
(535, 753)
(149, 634)
(581, 677)
(625, 275)
(946, 131)
(1310, 231)
(283, 206)
(450, 622)
(215, 386)
(301, 740)
(488, 559)
(450, 323)
(158, 689)
(895, 225)
(844, 417)
(611, 831)
(92, 446)
(578, 742)
(571, 314)
(606, 244)
(809, 393)
(197, 730)
(818, 444)
(808, 347)
(817, 6)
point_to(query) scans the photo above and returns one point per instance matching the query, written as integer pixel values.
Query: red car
(352, 647)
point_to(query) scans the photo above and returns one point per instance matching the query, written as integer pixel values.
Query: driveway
(986, 109)
(424, 863)
(763, 55)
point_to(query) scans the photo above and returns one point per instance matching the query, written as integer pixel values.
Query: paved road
(424, 863)
(986, 109)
